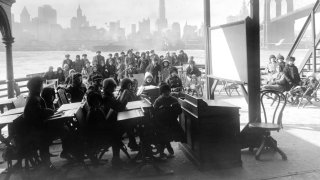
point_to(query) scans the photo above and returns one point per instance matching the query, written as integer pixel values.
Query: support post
(254, 71)
(207, 24)
(314, 42)
(10, 78)
(278, 8)
(266, 22)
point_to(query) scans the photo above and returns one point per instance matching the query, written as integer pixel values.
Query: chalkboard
(228, 50)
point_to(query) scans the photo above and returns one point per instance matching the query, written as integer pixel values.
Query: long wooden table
(5, 103)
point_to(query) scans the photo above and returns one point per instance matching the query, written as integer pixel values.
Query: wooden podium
(212, 130)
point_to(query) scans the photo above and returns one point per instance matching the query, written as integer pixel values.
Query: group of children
(284, 76)
(102, 107)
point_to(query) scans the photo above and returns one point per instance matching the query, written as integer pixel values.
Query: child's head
(148, 77)
(77, 57)
(109, 85)
(97, 80)
(280, 58)
(291, 60)
(165, 89)
(94, 99)
(35, 85)
(272, 58)
(165, 63)
(94, 68)
(48, 94)
(126, 83)
(88, 64)
(173, 71)
(102, 63)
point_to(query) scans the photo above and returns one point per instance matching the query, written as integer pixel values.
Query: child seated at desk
(126, 91)
(111, 107)
(99, 131)
(35, 112)
(148, 80)
(167, 109)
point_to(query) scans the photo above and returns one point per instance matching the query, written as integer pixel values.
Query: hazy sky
(129, 12)
(99, 12)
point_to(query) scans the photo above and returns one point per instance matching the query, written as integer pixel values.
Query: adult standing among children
(183, 57)
(143, 63)
(67, 61)
(85, 58)
(78, 64)
(49, 74)
(96, 61)
(60, 75)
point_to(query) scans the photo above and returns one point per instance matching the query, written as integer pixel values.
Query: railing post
(10, 78)
(207, 24)
(314, 41)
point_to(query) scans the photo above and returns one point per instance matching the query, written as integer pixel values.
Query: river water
(30, 62)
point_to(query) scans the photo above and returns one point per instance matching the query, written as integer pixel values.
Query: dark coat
(36, 111)
(154, 70)
(167, 110)
(193, 71)
(110, 102)
(78, 65)
(69, 62)
(76, 92)
(292, 74)
(174, 82)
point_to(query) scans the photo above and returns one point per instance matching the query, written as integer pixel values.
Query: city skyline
(99, 12)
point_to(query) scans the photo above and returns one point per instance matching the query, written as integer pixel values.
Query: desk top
(137, 105)
(63, 114)
(65, 107)
(13, 112)
(131, 114)
(4, 120)
(6, 101)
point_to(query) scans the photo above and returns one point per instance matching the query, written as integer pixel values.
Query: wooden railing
(22, 83)
(315, 39)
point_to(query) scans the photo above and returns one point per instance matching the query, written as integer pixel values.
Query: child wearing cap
(167, 109)
(165, 70)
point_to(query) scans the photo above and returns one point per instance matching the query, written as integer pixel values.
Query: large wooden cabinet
(212, 129)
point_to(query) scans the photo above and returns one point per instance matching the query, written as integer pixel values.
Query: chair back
(272, 103)
(139, 78)
(20, 102)
(62, 95)
(52, 81)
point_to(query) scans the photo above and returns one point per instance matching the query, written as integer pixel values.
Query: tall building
(162, 22)
(244, 12)
(189, 32)
(133, 29)
(46, 14)
(115, 31)
(176, 31)
(79, 21)
(144, 27)
(25, 16)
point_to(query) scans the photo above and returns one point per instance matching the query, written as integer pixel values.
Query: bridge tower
(275, 31)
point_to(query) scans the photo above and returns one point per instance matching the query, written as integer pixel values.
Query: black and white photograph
(160, 89)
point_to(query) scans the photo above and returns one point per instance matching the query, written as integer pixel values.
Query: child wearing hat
(148, 80)
(165, 70)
